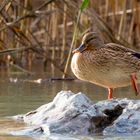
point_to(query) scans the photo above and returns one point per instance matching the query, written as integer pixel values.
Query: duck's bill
(79, 49)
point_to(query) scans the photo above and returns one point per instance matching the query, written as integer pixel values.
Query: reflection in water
(22, 96)
(8, 125)
(7, 137)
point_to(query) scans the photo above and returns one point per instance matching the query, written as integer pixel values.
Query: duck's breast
(81, 66)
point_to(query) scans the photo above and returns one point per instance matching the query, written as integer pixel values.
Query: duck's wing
(121, 49)
(129, 62)
(118, 57)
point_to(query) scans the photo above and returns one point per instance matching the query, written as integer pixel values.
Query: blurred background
(36, 40)
(36, 35)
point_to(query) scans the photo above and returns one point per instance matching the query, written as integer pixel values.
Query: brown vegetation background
(42, 30)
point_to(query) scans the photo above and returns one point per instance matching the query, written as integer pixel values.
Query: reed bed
(32, 30)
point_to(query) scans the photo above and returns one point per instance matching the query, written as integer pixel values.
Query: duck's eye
(88, 40)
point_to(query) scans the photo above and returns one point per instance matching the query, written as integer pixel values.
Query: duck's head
(90, 41)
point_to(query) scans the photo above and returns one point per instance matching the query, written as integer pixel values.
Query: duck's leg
(110, 93)
(134, 83)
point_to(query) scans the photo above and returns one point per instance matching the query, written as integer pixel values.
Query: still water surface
(19, 95)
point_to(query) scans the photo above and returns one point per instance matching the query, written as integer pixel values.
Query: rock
(76, 114)
(128, 122)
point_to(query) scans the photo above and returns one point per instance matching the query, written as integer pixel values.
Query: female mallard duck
(108, 65)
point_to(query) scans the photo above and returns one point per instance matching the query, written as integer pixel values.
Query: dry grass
(43, 29)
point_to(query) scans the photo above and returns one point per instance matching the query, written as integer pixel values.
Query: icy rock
(128, 122)
(76, 114)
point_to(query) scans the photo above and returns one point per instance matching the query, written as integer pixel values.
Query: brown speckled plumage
(108, 65)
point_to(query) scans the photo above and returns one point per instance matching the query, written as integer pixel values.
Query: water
(26, 95)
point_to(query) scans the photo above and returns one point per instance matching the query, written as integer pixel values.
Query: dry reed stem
(46, 27)
(121, 26)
